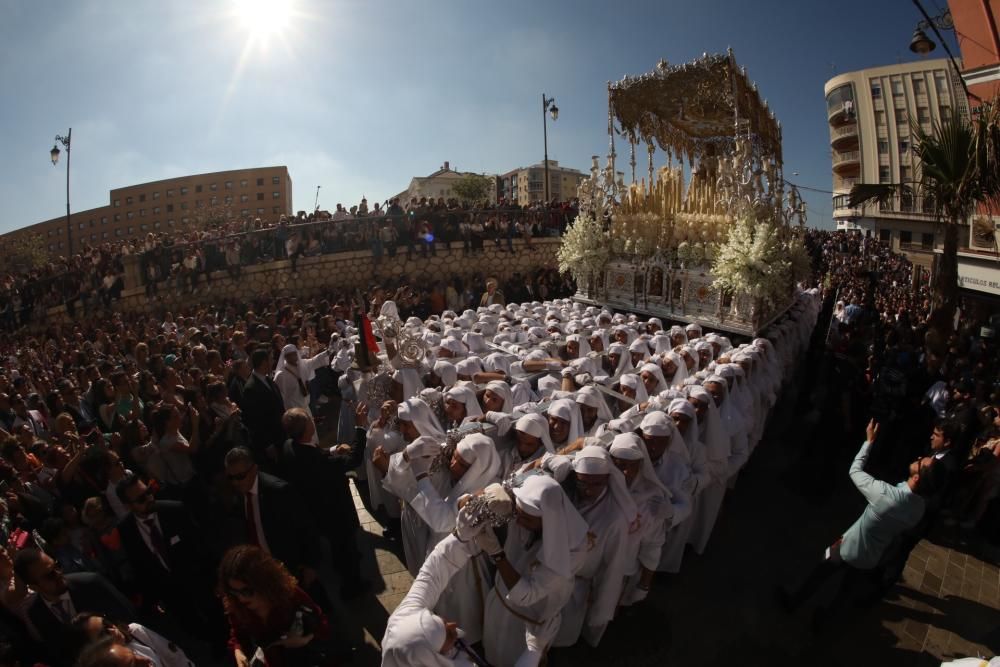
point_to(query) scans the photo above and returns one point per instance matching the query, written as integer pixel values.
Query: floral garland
(757, 260)
(584, 250)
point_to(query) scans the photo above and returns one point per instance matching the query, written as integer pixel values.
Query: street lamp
(921, 44)
(54, 155)
(548, 106)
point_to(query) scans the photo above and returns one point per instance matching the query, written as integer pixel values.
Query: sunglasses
(244, 593)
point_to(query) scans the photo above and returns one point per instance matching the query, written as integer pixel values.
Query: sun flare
(263, 19)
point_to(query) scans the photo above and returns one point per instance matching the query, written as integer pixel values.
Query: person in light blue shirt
(891, 510)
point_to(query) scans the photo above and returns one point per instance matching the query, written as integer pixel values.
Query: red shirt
(259, 632)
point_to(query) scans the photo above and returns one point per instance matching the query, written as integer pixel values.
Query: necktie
(252, 535)
(156, 538)
(63, 607)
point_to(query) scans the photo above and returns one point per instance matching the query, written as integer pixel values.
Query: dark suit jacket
(320, 478)
(289, 528)
(262, 411)
(192, 566)
(89, 592)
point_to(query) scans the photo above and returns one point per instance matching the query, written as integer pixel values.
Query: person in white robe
(545, 547)
(461, 405)
(531, 442)
(383, 433)
(601, 496)
(565, 424)
(474, 465)
(293, 374)
(672, 465)
(698, 421)
(652, 500)
(652, 378)
(732, 422)
(594, 410)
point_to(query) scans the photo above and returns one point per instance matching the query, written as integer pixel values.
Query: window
(275, 209)
(883, 146)
(197, 188)
(170, 208)
(260, 196)
(131, 229)
(130, 215)
(142, 213)
(880, 118)
(897, 86)
(82, 225)
(91, 222)
(229, 185)
(156, 224)
(170, 193)
(904, 146)
(118, 202)
(883, 175)
(104, 235)
(156, 195)
(170, 223)
(184, 221)
(919, 87)
(184, 205)
(260, 211)
(927, 240)
(128, 201)
(243, 183)
(901, 116)
(939, 83)
(876, 90)
(213, 187)
(275, 195)
(184, 190)
(199, 204)
(142, 198)
(245, 211)
(50, 232)
(104, 220)
(905, 237)
(93, 237)
(905, 173)
(244, 198)
(143, 227)
(229, 199)
(156, 210)
(213, 201)
(884, 235)
(923, 115)
(118, 217)
(52, 246)
(275, 180)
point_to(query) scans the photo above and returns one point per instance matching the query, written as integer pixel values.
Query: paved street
(721, 609)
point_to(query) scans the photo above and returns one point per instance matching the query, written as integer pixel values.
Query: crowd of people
(184, 259)
(171, 483)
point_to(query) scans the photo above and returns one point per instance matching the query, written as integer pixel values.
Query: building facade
(871, 114)
(526, 185)
(440, 184)
(171, 204)
(979, 41)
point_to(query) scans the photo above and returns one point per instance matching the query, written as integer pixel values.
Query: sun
(263, 19)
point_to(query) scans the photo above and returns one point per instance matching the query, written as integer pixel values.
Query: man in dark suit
(173, 568)
(319, 474)
(269, 513)
(262, 406)
(238, 380)
(61, 597)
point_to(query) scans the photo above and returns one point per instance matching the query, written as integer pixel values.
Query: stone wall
(316, 275)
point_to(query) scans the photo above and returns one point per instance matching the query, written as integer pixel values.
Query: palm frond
(876, 193)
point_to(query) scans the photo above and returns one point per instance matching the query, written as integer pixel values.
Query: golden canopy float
(712, 235)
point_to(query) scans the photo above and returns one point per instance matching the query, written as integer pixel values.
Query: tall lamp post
(54, 154)
(921, 44)
(548, 106)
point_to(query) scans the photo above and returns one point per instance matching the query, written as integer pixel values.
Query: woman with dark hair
(147, 645)
(272, 621)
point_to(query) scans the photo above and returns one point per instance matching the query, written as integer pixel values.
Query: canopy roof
(692, 109)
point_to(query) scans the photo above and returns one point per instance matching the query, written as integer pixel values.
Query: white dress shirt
(261, 537)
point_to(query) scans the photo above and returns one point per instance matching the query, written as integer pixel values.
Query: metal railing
(849, 130)
(845, 157)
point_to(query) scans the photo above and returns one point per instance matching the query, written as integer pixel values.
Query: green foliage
(473, 188)
(25, 252)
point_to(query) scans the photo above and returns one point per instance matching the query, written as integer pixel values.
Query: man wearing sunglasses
(173, 568)
(61, 596)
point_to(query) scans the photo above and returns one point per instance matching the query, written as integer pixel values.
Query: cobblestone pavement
(721, 608)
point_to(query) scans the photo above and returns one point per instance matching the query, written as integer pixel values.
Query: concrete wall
(337, 271)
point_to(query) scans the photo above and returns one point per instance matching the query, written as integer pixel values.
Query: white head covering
(640, 345)
(423, 418)
(582, 342)
(567, 410)
(592, 397)
(447, 372)
(634, 382)
(657, 372)
(475, 342)
(414, 639)
(548, 384)
(503, 390)
(594, 460)
(465, 395)
(563, 529)
(535, 424)
(711, 431)
(659, 423)
(455, 346)
(479, 452)
(682, 372)
(624, 358)
(497, 363)
(469, 366)
(283, 365)
(646, 484)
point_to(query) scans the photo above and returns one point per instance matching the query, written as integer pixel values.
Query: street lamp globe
(921, 43)
(54, 154)
(554, 111)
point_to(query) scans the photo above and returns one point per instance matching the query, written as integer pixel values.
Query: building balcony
(840, 113)
(843, 136)
(846, 161)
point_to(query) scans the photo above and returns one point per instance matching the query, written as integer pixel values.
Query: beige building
(171, 204)
(439, 184)
(526, 185)
(870, 113)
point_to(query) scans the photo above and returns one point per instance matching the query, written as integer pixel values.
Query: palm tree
(958, 172)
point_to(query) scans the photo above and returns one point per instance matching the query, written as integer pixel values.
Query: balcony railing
(844, 158)
(848, 131)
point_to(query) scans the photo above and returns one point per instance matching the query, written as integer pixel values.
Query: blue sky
(360, 95)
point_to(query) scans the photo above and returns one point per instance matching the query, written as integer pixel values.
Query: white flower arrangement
(584, 250)
(757, 261)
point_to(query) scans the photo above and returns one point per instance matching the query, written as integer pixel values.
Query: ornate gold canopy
(694, 109)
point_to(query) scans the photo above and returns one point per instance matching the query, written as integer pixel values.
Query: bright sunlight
(264, 18)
